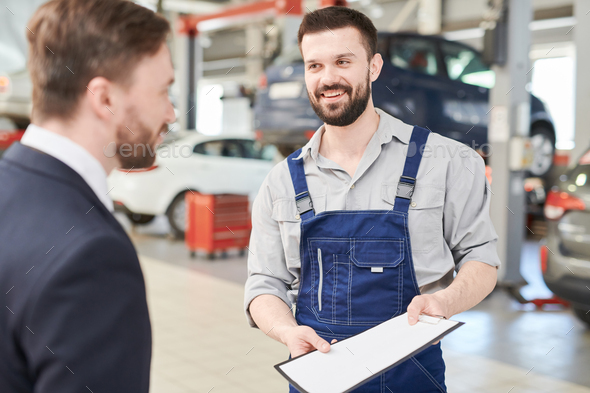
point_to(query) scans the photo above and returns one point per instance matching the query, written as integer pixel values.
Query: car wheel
(583, 314)
(543, 143)
(140, 219)
(177, 216)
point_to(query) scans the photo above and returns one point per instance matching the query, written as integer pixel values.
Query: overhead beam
(509, 124)
(538, 15)
(237, 14)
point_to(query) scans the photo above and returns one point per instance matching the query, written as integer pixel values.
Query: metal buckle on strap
(303, 202)
(405, 187)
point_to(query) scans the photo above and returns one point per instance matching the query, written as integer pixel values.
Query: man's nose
(329, 77)
(170, 115)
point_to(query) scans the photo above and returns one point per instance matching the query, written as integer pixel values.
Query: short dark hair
(73, 41)
(336, 17)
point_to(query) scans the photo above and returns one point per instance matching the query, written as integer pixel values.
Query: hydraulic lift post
(508, 131)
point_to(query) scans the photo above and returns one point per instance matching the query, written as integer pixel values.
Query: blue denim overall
(357, 271)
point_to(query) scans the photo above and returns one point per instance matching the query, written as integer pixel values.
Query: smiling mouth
(332, 94)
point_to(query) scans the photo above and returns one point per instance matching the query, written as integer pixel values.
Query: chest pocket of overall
(356, 281)
(425, 216)
(285, 213)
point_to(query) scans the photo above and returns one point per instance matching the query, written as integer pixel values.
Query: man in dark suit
(75, 317)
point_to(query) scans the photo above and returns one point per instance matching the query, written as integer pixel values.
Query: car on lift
(565, 256)
(15, 83)
(190, 162)
(425, 80)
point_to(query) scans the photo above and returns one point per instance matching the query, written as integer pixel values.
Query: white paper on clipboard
(355, 360)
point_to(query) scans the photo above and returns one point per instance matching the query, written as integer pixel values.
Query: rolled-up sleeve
(267, 269)
(468, 228)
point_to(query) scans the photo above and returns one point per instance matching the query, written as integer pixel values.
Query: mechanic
(368, 220)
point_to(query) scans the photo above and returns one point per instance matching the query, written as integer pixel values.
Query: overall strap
(302, 197)
(407, 182)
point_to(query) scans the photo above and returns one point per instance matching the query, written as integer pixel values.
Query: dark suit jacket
(74, 316)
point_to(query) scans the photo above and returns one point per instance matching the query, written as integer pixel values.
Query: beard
(342, 114)
(136, 142)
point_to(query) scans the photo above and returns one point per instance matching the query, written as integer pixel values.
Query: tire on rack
(543, 141)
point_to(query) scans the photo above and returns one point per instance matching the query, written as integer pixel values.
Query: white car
(192, 162)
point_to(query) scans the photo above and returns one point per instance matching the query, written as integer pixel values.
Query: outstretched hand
(426, 304)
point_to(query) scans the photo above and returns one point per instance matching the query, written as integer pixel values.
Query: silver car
(565, 258)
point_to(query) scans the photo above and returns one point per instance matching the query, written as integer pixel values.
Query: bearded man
(364, 223)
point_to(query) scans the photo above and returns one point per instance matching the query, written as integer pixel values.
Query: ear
(100, 95)
(375, 66)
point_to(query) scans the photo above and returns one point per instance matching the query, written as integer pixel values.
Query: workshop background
(509, 78)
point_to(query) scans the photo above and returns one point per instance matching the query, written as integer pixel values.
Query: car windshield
(465, 65)
(414, 54)
(291, 55)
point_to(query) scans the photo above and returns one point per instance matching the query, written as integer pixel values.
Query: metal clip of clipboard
(433, 320)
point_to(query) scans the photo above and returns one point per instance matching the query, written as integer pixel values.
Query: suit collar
(71, 154)
(47, 166)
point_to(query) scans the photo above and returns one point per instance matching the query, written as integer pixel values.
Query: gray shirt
(449, 221)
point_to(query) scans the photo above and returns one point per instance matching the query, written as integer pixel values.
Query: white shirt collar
(73, 155)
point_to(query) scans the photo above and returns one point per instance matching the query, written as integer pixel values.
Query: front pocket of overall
(356, 281)
(376, 282)
(328, 277)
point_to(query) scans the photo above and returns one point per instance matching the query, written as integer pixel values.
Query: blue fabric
(298, 176)
(340, 296)
(413, 158)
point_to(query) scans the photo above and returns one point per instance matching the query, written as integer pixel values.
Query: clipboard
(353, 361)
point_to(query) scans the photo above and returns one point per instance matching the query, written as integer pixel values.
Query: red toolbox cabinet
(217, 222)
